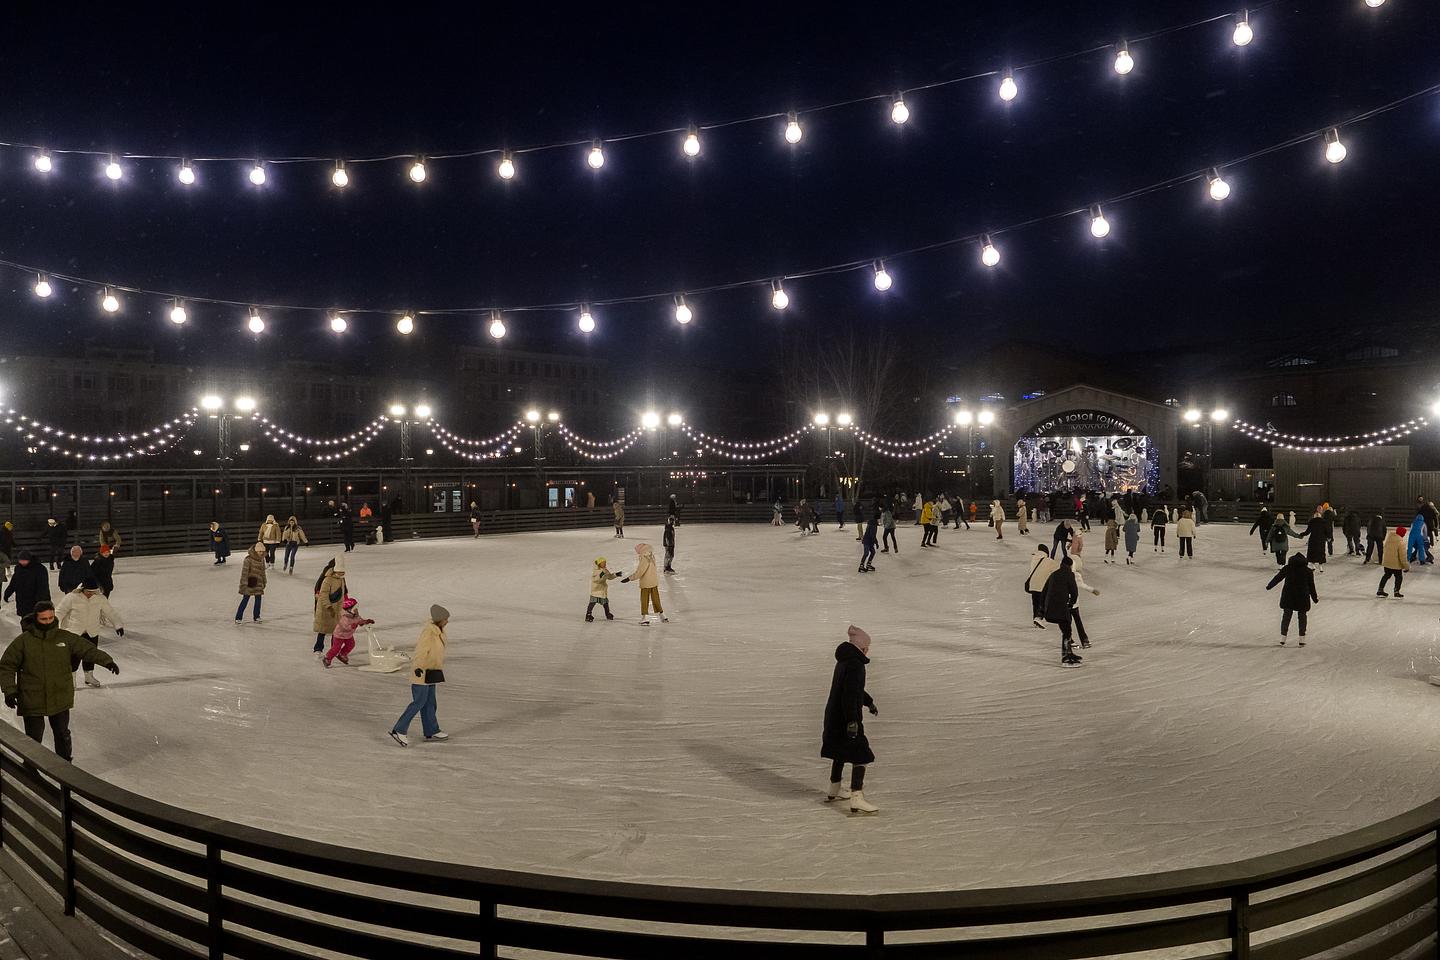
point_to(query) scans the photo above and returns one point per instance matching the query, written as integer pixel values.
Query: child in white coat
(85, 611)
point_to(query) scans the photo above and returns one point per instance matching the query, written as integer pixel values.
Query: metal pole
(214, 903)
(1240, 926)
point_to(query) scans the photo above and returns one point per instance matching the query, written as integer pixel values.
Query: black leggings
(59, 731)
(1399, 576)
(1285, 621)
(591, 605)
(1376, 547)
(1159, 536)
(889, 540)
(319, 642)
(837, 770)
(1187, 546)
(270, 553)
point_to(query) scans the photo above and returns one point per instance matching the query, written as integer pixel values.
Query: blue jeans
(240, 612)
(292, 547)
(422, 701)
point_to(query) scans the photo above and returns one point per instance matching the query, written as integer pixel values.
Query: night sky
(1299, 248)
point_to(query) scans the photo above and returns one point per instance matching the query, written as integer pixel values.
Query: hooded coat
(1317, 534)
(219, 543)
(28, 585)
(1393, 553)
(252, 573)
(600, 578)
(102, 568)
(1132, 533)
(72, 573)
(1262, 523)
(1299, 582)
(429, 655)
(85, 615)
(1376, 531)
(1061, 592)
(269, 530)
(1419, 545)
(1040, 571)
(846, 704)
(328, 597)
(108, 536)
(645, 574)
(57, 536)
(1351, 525)
(1112, 536)
(292, 532)
(37, 666)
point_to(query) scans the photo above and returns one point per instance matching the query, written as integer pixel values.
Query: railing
(181, 886)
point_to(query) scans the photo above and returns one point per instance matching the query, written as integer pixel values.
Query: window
(320, 392)
(152, 385)
(1283, 400)
(1371, 353)
(512, 366)
(84, 381)
(1291, 360)
(119, 384)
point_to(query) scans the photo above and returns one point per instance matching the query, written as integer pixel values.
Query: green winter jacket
(38, 664)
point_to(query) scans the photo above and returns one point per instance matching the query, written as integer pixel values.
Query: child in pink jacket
(342, 641)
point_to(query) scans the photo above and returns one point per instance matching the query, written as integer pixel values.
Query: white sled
(383, 659)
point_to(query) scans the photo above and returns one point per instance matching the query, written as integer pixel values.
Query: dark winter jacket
(57, 537)
(219, 544)
(1061, 592)
(667, 539)
(72, 573)
(1328, 518)
(1159, 518)
(1299, 582)
(103, 570)
(673, 510)
(7, 540)
(1317, 533)
(1062, 535)
(1352, 524)
(1432, 517)
(1262, 523)
(1280, 534)
(1132, 533)
(28, 585)
(1377, 530)
(36, 668)
(847, 704)
(870, 538)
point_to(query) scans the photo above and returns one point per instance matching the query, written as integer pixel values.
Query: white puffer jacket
(86, 615)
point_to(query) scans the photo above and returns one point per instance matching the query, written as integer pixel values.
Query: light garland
(744, 450)
(285, 438)
(683, 312)
(904, 449)
(1306, 444)
(615, 447)
(457, 444)
(155, 440)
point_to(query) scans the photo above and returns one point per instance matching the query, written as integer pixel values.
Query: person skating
(1132, 537)
(269, 535)
(1112, 539)
(1351, 526)
(667, 540)
(997, 518)
(1297, 594)
(292, 535)
(618, 508)
(843, 738)
(475, 520)
(1419, 549)
(927, 526)
(1327, 516)
(1042, 565)
(84, 612)
(1022, 517)
(1158, 519)
(1263, 522)
(56, 538)
(1078, 567)
(330, 590)
(942, 504)
(1394, 561)
(252, 581)
(887, 524)
(840, 510)
(1280, 534)
(1317, 533)
(427, 669)
(219, 543)
(648, 580)
(1064, 531)
(672, 510)
(1375, 539)
(74, 570)
(7, 538)
(964, 511)
(35, 675)
(109, 537)
(869, 541)
(859, 518)
(1082, 512)
(1185, 533)
(1062, 591)
(342, 641)
(777, 514)
(347, 526)
(102, 568)
(917, 506)
(600, 577)
(29, 585)
(1432, 519)
(804, 517)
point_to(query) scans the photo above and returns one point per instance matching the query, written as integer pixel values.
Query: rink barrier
(184, 886)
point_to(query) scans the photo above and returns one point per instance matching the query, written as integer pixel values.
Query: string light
(405, 325)
(989, 254)
(1334, 150)
(899, 113)
(691, 146)
(882, 277)
(185, 173)
(506, 167)
(340, 178)
(112, 169)
(338, 323)
(1243, 33)
(1008, 89)
(683, 315)
(1099, 226)
(257, 174)
(43, 162)
(417, 170)
(497, 325)
(109, 302)
(596, 157)
(178, 316)
(779, 299)
(256, 323)
(42, 287)
(586, 322)
(1219, 189)
(1124, 63)
(793, 133)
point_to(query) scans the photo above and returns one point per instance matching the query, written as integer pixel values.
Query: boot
(837, 792)
(90, 680)
(589, 618)
(858, 803)
(609, 615)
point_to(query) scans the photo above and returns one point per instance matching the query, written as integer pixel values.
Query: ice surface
(689, 752)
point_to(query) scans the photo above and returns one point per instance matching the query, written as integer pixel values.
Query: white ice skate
(858, 803)
(382, 659)
(644, 621)
(838, 792)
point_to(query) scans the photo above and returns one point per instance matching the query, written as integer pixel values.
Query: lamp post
(421, 413)
(1207, 419)
(822, 419)
(971, 422)
(220, 412)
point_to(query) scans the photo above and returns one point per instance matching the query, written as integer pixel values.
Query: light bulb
(1243, 33)
(674, 419)
(178, 315)
(898, 111)
(417, 170)
(186, 173)
(497, 325)
(882, 277)
(779, 299)
(1099, 226)
(257, 174)
(650, 420)
(691, 145)
(256, 322)
(683, 315)
(586, 322)
(985, 418)
(1334, 150)
(989, 255)
(42, 287)
(405, 325)
(596, 157)
(793, 133)
(1008, 89)
(338, 323)
(1219, 189)
(964, 418)
(397, 410)
(423, 411)
(43, 162)
(112, 169)
(1124, 63)
(1372, 4)
(340, 177)
(506, 169)
(110, 303)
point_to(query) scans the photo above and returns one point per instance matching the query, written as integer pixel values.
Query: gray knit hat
(438, 613)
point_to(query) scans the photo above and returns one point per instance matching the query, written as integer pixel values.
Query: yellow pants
(650, 595)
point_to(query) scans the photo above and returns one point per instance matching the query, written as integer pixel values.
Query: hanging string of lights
(904, 449)
(365, 436)
(1354, 441)
(154, 440)
(286, 438)
(743, 450)
(500, 438)
(595, 450)
(682, 303)
(417, 165)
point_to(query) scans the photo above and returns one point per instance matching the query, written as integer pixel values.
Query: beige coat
(645, 574)
(1185, 527)
(295, 534)
(619, 514)
(1394, 553)
(429, 653)
(327, 602)
(253, 569)
(269, 531)
(600, 582)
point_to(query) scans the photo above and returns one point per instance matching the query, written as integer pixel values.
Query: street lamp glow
(257, 174)
(553, 416)
(683, 315)
(883, 280)
(899, 113)
(793, 133)
(596, 157)
(692, 143)
(985, 418)
(1372, 4)
(211, 402)
(844, 420)
(497, 325)
(1099, 226)
(338, 323)
(674, 419)
(177, 313)
(506, 167)
(42, 287)
(532, 415)
(340, 178)
(964, 418)
(422, 410)
(586, 322)
(779, 299)
(822, 419)
(417, 170)
(109, 302)
(43, 162)
(1192, 415)
(1008, 89)
(989, 254)
(245, 404)
(256, 323)
(1220, 415)
(186, 173)
(397, 410)
(650, 420)
(1243, 32)
(405, 325)
(112, 169)
(1334, 150)
(1124, 63)
(1219, 189)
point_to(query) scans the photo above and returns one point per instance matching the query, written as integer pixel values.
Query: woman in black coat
(1296, 595)
(28, 585)
(844, 738)
(1318, 534)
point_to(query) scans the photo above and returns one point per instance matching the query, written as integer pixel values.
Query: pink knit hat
(859, 637)
(641, 548)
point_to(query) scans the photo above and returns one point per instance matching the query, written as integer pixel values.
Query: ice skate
(609, 615)
(90, 681)
(1381, 593)
(325, 662)
(1399, 595)
(238, 621)
(870, 568)
(664, 619)
(644, 621)
(343, 659)
(1038, 622)
(1084, 644)
(837, 792)
(1071, 661)
(439, 735)
(259, 620)
(1302, 643)
(589, 618)
(861, 570)
(400, 738)
(858, 803)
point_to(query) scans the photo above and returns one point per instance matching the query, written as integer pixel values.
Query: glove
(626, 580)
(852, 729)
(11, 702)
(119, 631)
(113, 667)
(874, 710)
(1095, 590)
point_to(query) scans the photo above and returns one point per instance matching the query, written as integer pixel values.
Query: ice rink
(689, 752)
